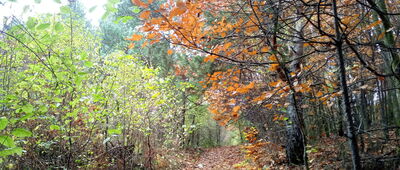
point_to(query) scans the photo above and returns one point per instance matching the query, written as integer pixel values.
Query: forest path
(220, 158)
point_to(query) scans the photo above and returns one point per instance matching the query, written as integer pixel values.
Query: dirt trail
(217, 158)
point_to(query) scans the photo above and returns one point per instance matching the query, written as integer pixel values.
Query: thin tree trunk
(183, 120)
(382, 102)
(346, 98)
(391, 58)
(295, 129)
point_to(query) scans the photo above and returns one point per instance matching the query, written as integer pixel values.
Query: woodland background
(202, 84)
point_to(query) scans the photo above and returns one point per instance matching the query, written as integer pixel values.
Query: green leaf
(105, 15)
(31, 23)
(136, 9)
(57, 99)
(27, 108)
(38, 1)
(3, 123)
(20, 132)
(57, 1)
(114, 131)
(312, 150)
(10, 151)
(113, 1)
(72, 114)
(88, 64)
(43, 26)
(13, 120)
(7, 141)
(11, 97)
(65, 9)
(111, 9)
(58, 27)
(54, 127)
(43, 109)
(155, 95)
(125, 19)
(26, 116)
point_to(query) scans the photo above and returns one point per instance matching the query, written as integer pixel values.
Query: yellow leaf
(132, 45)
(225, 121)
(347, 2)
(227, 45)
(269, 106)
(265, 49)
(235, 114)
(177, 11)
(135, 37)
(230, 88)
(250, 86)
(273, 67)
(274, 84)
(217, 73)
(236, 108)
(156, 21)
(381, 35)
(273, 57)
(223, 34)
(252, 53)
(154, 41)
(373, 25)
(242, 90)
(145, 15)
(139, 3)
(145, 44)
(170, 52)
(151, 36)
(346, 20)
(260, 98)
(210, 58)
(214, 111)
(181, 4)
(319, 94)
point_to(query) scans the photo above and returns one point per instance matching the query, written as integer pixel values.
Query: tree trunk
(182, 121)
(346, 98)
(295, 148)
(295, 129)
(391, 58)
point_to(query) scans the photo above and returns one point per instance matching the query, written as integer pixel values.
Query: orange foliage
(260, 152)
(135, 37)
(170, 52)
(238, 37)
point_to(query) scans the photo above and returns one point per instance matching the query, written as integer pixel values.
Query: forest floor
(330, 153)
(216, 158)
(224, 157)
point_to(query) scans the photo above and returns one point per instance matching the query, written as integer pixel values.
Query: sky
(16, 8)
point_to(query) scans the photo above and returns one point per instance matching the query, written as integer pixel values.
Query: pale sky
(48, 6)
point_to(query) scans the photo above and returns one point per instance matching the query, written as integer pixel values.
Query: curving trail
(218, 158)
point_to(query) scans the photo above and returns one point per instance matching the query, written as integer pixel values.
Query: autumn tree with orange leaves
(285, 56)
